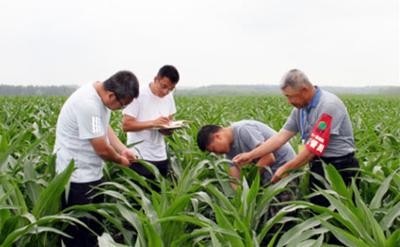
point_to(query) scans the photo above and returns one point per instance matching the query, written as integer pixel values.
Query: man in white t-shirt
(142, 119)
(84, 135)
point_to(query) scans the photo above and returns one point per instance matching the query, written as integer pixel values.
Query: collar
(233, 144)
(314, 100)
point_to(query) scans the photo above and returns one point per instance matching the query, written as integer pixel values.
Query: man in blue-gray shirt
(326, 132)
(243, 136)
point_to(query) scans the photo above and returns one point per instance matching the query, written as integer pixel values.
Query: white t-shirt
(149, 107)
(82, 117)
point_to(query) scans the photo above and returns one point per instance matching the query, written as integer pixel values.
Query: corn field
(196, 206)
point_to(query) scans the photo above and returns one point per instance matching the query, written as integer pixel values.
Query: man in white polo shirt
(154, 108)
(84, 135)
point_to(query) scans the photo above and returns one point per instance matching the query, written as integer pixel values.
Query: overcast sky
(335, 42)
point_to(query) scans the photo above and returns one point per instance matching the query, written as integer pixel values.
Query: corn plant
(196, 206)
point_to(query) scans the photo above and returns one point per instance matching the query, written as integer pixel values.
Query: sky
(335, 42)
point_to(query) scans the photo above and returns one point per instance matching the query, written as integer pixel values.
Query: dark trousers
(346, 167)
(81, 194)
(163, 167)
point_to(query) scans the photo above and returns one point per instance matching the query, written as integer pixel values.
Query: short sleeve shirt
(248, 134)
(341, 135)
(82, 118)
(150, 142)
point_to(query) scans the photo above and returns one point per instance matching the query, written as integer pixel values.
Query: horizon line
(205, 85)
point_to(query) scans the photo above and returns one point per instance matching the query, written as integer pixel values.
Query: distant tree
(9, 90)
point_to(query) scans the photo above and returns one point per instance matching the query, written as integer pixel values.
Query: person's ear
(112, 96)
(304, 90)
(217, 136)
(109, 96)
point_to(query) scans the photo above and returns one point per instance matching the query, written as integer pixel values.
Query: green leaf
(372, 224)
(343, 236)
(105, 240)
(336, 181)
(394, 239)
(348, 216)
(49, 200)
(391, 215)
(134, 220)
(293, 235)
(223, 221)
(377, 200)
(153, 238)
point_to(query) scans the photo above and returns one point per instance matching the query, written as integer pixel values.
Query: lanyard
(304, 112)
(303, 120)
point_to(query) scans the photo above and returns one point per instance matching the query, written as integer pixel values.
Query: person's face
(115, 103)
(163, 86)
(219, 144)
(297, 98)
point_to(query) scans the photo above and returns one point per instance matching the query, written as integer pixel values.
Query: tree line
(9, 90)
(64, 90)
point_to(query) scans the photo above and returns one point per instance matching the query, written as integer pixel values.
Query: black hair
(204, 135)
(170, 72)
(123, 84)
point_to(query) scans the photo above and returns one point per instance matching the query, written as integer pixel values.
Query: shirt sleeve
(319, 137)
(337, 114)
(90, 122)
(291, 122)
(251, 137)
(132, 109)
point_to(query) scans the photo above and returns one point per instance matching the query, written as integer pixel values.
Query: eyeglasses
(123, 106)
(164, 86)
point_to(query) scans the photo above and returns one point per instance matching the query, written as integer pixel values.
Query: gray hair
(295, 79)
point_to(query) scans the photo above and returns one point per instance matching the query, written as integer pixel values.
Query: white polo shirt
(149, 107)
(82, 117)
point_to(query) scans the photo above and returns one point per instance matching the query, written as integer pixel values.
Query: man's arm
(107, 152)
(114, 140)
(119, 146)
(265, 148)
(301, 159)
(315, 146)
(234, 171)
(266, 160)
(130, 123)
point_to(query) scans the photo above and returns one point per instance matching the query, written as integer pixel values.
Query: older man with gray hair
(324, 124)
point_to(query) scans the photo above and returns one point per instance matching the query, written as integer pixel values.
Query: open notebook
(176, 124)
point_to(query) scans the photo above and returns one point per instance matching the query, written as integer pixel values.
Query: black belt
(93, 183)
(335, 159)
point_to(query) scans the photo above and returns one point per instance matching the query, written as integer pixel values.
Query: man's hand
(302, 158)
(243, 158)
(124, 161)
(160, 122)
(279, 174)
(128, 154)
